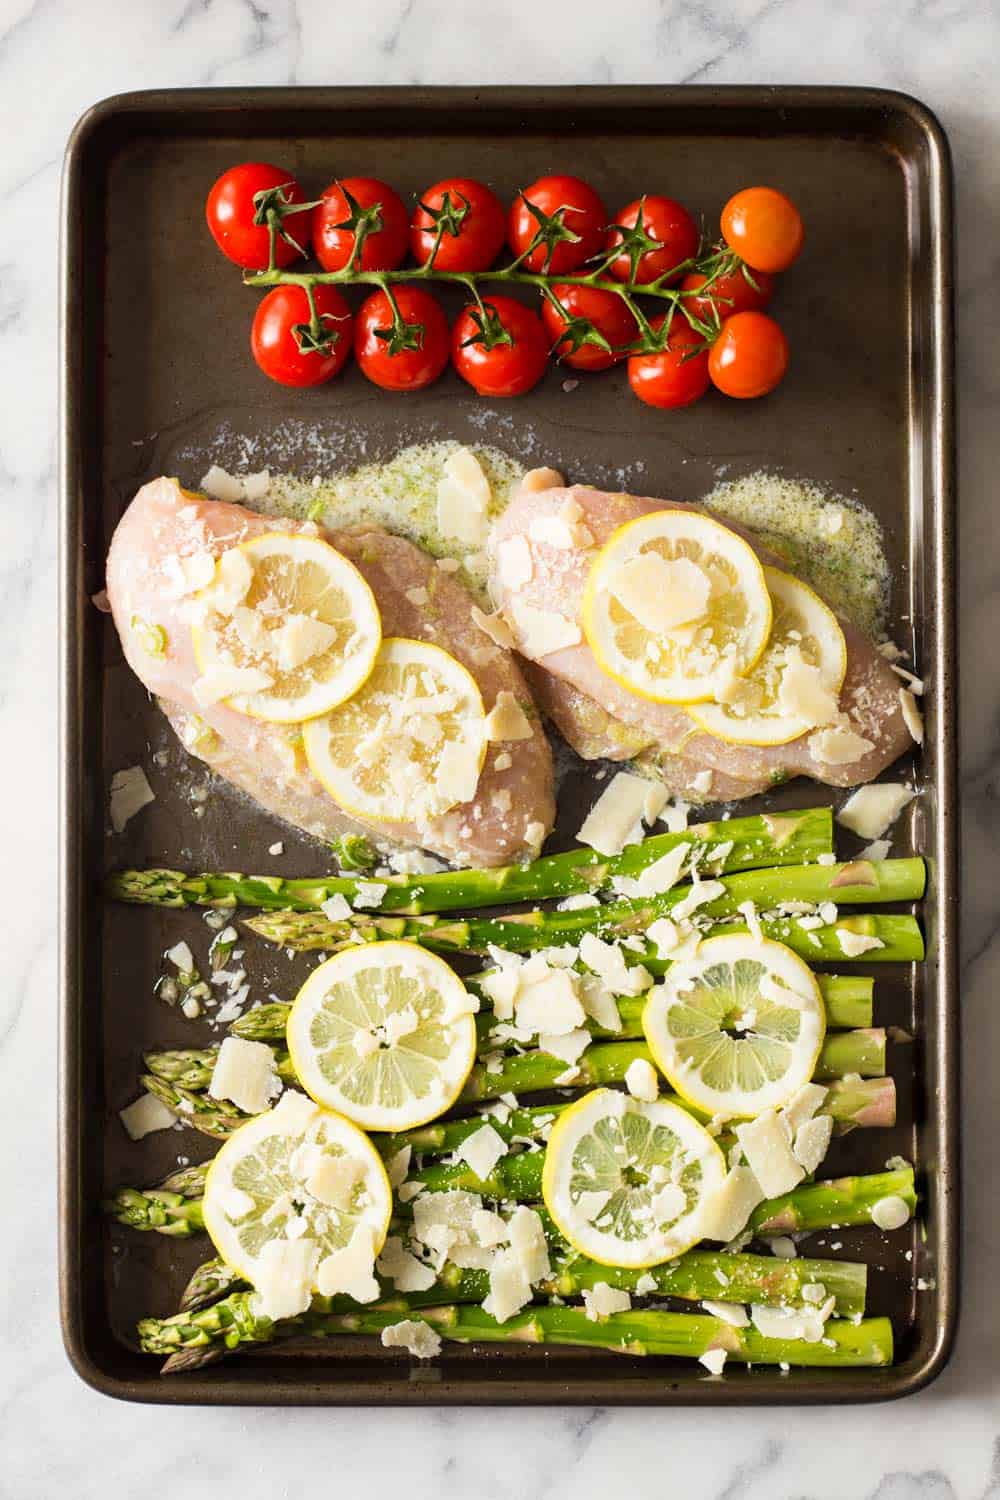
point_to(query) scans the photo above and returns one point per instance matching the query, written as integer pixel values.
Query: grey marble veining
(57, 57)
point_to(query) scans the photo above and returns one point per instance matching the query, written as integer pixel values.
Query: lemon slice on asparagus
(796, 684)
(737, 1028)
(385, 1034)
(297, 1183)
(287, 629)
(675, 606)
(626, 1182)
(410, 744)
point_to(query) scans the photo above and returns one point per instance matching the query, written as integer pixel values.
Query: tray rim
(306, 1386)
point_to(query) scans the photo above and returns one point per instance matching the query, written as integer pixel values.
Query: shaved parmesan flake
(301, 638)
(804, 1323)
(608, 962)
(495, 626)
(912, 717)
(803, 1105)
(891, 1212)
(602, 1300)
(769, 1154)
(286, 1270)
(591, 1202)
(732, 1313)
(516, 567)
(641, 1080)
(229, 682)
(871, 810)
(714, 1360)
(812, 1141)
(877, 851)
(482, 1150)
(510, 1286)
(528, 1242)
(541, 632)
(145, 1115)
(417, 1338)
(599, 1002)
(662, 593)
(236, 1204)
(463, 497)
(616, 817)
(244, 1073)
(403, 1269)
(701, 894)
(336, 908)
(398, 1165)
(838, 745)
(351, 1270)
(256, 486)
(549, 1003)
(181, 957)
(233, 577)
(661, 876)
(726, 1214)
(489, 1228)
(368, 894)
(552, 531)
(507, 720)
(803, 694)
(220, 485)
(130, 793)
(853, 944)
(332, 1179)
(567, 1046)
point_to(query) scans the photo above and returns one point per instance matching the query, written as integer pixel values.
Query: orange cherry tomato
(764, 228)
(750, 356)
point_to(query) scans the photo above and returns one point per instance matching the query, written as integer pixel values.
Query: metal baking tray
(157, 377)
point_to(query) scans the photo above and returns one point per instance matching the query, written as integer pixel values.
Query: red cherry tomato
(664, 220)
(750, 356)
(503, 354)
(603, 311)
(232, 212)
(583, 224)
(474, 225)
(407, 353)
(764, 228)
(283, 342)
(345, 206)
(675, 376)
(730, 293)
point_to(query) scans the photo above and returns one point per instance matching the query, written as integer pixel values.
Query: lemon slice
(297, 1175)
(675, 606)
(410, 744)
(385, 1034)
(797, 681)
(293, 617)
(626, 1182)
(737, 1028)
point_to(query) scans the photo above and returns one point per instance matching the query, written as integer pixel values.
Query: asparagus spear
(744, 843)
(213, 1280)
(847, 998)
(899, 936)
(637, 1332)
(172, 1208)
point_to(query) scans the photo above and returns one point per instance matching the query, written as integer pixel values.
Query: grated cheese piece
(229, 682)
(599, 1002)
(803, 1105)
(661, 876)
(398, 1165)
(482, 1150)
(463, 498)
(912, 717)
(403, 1269)
(733, 1313)
(541, 632)
(218, 484)
(804, 1323)
(244, 1073)
(489, 1228)
(876, 851)
(891, 1212)
(299, 639)
(838, 745)
(510, 1287)
(768, 1152)
(181, 957)
(728, 1210)
(853, 944)
(528, 1243)
(351, 1270)
(568, 1046)
(368, 894)
(701, 894)
(602, 1300)
(549, 1003)
(871, 810)
(645, 1285)
(516, 566)
(714, 1360)
(332, 1179)
(336, 907)
(803, 694)
(286, 1271)
(784, 1247)
(495, 626)
(144, 1115)
(662, 593)
(608, 962)
(130, 793)
(812, 1142)
(233, 577)
(416, 1337)
(641, 1080)
(507, 720)
(616, 817)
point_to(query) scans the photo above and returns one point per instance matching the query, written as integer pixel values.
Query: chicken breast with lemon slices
(163, 553)
(542, 549)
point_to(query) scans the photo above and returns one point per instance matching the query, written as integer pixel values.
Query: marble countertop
(57, 1436)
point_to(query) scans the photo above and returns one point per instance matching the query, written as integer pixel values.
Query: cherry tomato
(281, 338)
(576, 235)
(673, 376)
(750, 356)
(604, 311)
(503, 354)
(232, 215)
(763, 227)
(404, 353)
(664, 220)
(345, 206)
(474, 225)
(729, 293)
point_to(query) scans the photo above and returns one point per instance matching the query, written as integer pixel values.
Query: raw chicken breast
(155, 564)
(870, 695)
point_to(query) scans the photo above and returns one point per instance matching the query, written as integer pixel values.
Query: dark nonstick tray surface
(158, 379)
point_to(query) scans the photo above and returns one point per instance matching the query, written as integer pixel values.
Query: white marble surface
(58, 1437)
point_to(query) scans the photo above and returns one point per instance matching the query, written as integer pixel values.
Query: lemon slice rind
(649, 1158)
(349, 1046)
(737, 1028)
